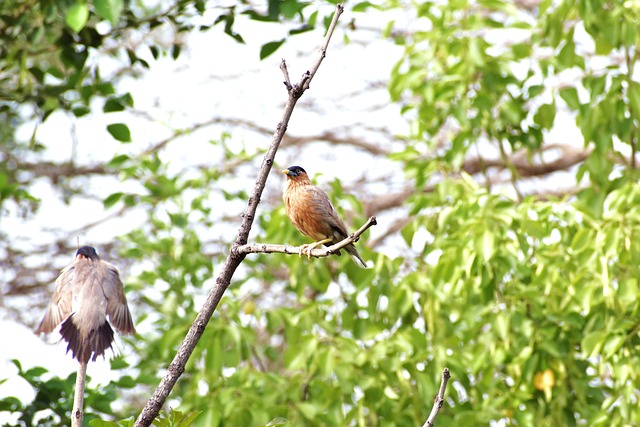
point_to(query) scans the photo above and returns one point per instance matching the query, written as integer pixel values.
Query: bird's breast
(307, 213)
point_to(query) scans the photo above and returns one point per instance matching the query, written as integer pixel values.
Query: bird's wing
(117, 308)
(322, 205)
(60, 306)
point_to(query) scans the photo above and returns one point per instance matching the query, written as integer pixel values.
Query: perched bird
(86, 292)
(311, 211)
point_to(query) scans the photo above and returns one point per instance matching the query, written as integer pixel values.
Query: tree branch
(439, 400)
(177, 366)
(77, 414)
(270, 248)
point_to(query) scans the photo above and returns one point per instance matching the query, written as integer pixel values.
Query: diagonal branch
(439, 400)
(235, 258)
(270, 248)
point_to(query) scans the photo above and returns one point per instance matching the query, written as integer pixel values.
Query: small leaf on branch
(120, 132)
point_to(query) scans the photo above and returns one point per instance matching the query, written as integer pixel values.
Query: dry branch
(235, 258)
(439, 400)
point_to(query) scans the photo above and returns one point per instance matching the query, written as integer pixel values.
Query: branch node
(285, 73)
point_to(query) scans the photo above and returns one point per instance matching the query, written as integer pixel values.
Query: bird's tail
(355, 256)
(82, 344)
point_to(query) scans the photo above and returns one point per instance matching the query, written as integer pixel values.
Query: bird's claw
(306, 250)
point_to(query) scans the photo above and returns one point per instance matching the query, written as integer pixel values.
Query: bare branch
(306, 78)
(568, 156)
(285, 73)
(77, 414)
(439, 400)
(235, 258)
(269, 248)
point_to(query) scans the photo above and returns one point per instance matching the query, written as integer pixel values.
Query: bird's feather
(61, 302)
(118, 312)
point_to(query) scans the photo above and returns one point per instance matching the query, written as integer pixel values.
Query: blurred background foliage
(507, 255)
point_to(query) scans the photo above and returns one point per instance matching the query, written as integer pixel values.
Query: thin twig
(285, 73)
(177, 366)
(77, 414)
(439, 400)
(270, 248)
(306, 78)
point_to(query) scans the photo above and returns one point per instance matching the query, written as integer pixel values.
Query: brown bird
(311, 211)
(86, 292)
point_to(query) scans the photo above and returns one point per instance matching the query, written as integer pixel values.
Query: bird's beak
(285, 171)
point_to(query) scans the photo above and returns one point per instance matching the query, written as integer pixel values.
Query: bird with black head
(311, 212)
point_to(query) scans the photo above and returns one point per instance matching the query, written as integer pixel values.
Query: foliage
(532, 303)
(458, 81)
(53, 400)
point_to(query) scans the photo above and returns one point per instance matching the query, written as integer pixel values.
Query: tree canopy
(503, 174)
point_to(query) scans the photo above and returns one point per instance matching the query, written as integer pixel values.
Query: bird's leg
(306, 249)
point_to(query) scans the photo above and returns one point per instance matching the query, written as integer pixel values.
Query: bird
(311, 212)
(87, 291)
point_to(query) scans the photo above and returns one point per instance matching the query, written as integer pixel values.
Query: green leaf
(120, 132)
(112, 200)
(613, 345)
(592, 343)
(118, 161)
(81, 111)
(485, 245)
(109, 9)
(268, 48)
(77, 17)
(176, 50)
(118, 103)
(309, 410)
(582, 240)
(545, 115)
(363, 6)
(570, 96)
(113, 105)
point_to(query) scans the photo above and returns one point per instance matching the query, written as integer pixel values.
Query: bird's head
(87, 252)
(295, 172)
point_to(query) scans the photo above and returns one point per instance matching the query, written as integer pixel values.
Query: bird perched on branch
(86, 292)
(311, 211)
